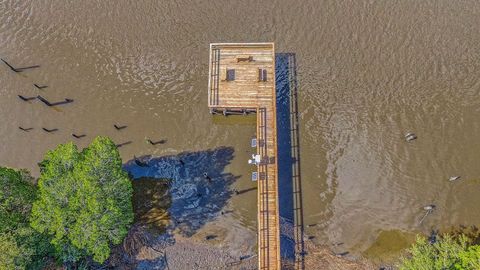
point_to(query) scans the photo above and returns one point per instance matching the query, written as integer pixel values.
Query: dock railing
(215, 77)
(263, 214)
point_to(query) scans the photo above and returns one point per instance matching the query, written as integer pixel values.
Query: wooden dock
(242, 81)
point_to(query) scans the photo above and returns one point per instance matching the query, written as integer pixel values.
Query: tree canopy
(20, 246)
(16, 198)
(84, 200)
(446, 253)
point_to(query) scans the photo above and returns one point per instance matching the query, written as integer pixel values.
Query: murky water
(151, 201)
(368, 72)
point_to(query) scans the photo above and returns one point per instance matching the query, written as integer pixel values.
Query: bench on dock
(228, 74)
(245, 59)
(262, 75)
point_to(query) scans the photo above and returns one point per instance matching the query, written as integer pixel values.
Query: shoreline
(142, 249)
(234, 247)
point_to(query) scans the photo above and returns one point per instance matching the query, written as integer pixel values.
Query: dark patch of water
(195, 192)
(151, 201)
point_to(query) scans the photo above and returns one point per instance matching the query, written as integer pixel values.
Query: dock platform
(242, 81)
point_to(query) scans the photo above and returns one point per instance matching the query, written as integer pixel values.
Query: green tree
(446, 253)
(84, 200)
(21, 247)
(470, 258)
(9, 253)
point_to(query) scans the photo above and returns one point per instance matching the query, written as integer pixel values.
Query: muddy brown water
(368, 72)
(151, 201)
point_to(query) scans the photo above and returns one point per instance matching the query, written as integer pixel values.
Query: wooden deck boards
(246, 91)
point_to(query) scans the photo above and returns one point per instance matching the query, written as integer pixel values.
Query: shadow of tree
(193, 190)
(198, 187)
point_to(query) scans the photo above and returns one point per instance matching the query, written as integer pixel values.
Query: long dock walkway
(242, 81)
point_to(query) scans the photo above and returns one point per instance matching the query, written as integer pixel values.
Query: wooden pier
(242, 81)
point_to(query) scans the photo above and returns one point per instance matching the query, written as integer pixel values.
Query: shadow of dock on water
(289, 177)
